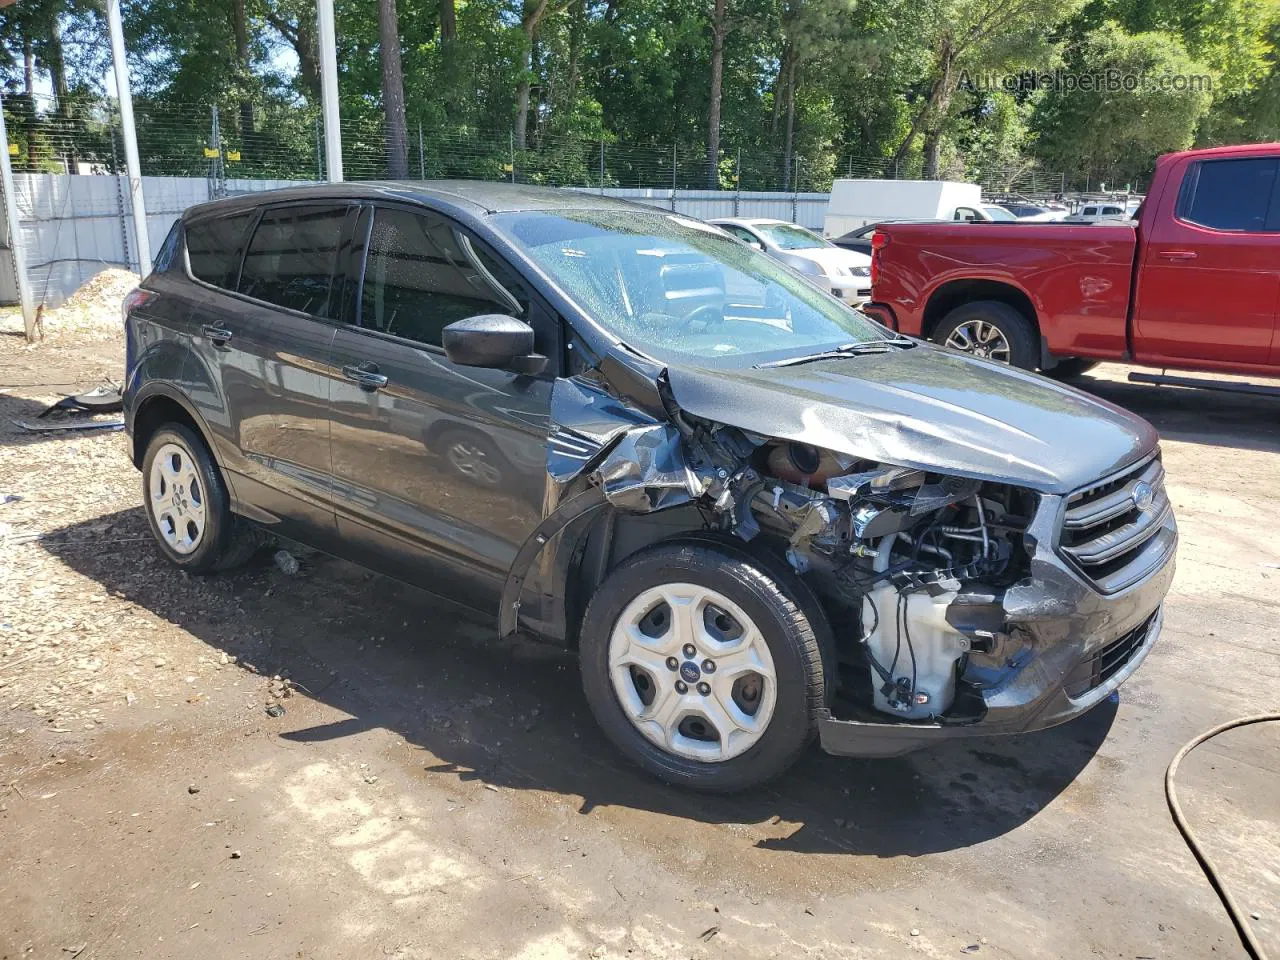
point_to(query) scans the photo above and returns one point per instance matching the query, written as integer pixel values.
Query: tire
(784, 641)
(221, 540)
(1069, 367)
(1020, 345)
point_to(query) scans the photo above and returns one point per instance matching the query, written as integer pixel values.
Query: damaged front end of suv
(978, 572)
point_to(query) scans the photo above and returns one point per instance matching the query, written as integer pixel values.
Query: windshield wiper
(844, 350)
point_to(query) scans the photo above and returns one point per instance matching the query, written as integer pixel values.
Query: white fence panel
(74, 226)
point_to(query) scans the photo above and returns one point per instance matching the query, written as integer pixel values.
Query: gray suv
(756, 515)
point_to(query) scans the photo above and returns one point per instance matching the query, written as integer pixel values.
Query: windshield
(677, 288)
(788, 236)
(999, 213)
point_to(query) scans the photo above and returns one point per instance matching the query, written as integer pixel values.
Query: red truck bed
(1193, 283)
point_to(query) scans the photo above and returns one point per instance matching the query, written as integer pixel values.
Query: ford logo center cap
(1143, 495)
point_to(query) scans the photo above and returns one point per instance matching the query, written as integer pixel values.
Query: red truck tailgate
(1077, 278)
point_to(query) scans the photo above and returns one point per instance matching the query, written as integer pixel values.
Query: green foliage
(1115, 134)
(870, 87)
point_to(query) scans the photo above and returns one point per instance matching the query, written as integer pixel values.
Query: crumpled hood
(928, 408)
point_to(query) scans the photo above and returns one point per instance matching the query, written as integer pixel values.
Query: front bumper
(1063, 647)
(855, 291)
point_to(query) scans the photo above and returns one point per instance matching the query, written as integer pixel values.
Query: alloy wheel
(980, 338)
(177, 498)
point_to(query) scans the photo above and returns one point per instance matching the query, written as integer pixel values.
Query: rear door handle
(366, 374)
(218, 336)
(1177, 254)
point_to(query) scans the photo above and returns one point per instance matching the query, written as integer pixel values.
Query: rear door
(288, 289)
(1210, 273)
(439, 470)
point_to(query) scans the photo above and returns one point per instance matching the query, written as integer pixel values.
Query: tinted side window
(166, 256)
(422, 274)
(291, 257)
(213, 248)
(1228, 194)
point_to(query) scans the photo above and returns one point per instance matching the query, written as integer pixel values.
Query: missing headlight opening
(906, 562)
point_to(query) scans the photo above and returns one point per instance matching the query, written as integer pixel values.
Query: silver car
(846, 273)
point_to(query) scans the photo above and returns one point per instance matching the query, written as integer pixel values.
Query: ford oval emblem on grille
(1143, 495)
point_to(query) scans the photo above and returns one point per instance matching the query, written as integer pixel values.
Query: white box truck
(855, 203)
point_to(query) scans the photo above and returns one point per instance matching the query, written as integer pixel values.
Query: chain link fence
(284, 142)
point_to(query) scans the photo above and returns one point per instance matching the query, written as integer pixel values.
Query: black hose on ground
(1251, 944)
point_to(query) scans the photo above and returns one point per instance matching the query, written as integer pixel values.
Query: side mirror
(493, 340)
(759, 245)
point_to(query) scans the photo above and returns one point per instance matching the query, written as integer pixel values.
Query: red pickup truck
(1193, 282)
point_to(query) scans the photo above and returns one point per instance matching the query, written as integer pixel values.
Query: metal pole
(511, 145)
(673, 178)
(131, 162)
(15, 234)
(737, 183)
(602, 165)
(328, 44)
(422, 155)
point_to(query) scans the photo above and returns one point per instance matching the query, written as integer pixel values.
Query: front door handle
(218, 336)
(366, 374)
(1177, 254)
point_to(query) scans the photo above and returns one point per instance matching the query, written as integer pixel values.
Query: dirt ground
(430, 793)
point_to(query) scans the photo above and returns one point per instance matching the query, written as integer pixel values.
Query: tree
(393, 90)
(1115, 134)
(980, 34)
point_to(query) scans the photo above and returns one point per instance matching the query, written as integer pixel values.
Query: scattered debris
(971, 948)
(915, 932)
(708, 933)
(490, 786)
(235, 854)
(287, 563)
(193, 789)
(104, 399)
(76, 425)
(275, 710)
(371, 778)
(75, 951)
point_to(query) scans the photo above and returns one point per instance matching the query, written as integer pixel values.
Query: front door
(1210, 276)
(439, 470)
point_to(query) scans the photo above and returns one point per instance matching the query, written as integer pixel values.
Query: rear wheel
(991, 330)
(701, 667)
(187, 505)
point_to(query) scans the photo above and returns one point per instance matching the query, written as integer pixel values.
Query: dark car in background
(756, 515)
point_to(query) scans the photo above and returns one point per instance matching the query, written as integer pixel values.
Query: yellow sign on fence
(233, 154)
(210, 152)
(13, 149)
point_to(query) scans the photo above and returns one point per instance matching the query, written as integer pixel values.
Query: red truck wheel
(992, 330)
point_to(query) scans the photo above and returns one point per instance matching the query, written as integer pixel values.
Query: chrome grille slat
(1114, 504)
(1123, 539)
(1116, 534)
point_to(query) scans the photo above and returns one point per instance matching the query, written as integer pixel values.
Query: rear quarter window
(213, 248)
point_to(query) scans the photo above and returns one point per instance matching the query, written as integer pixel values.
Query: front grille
(1117, 531)
(1103, 664)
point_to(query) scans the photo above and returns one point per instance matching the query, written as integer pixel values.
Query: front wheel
(991, 330)
(703, 667)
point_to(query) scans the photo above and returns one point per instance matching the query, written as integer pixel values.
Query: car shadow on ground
(389, 656)
(1237, 420)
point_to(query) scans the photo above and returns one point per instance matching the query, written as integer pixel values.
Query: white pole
(329, 89)
(15, 234)
(131, 163)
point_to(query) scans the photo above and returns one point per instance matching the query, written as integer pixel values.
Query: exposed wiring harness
(1251, 944)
